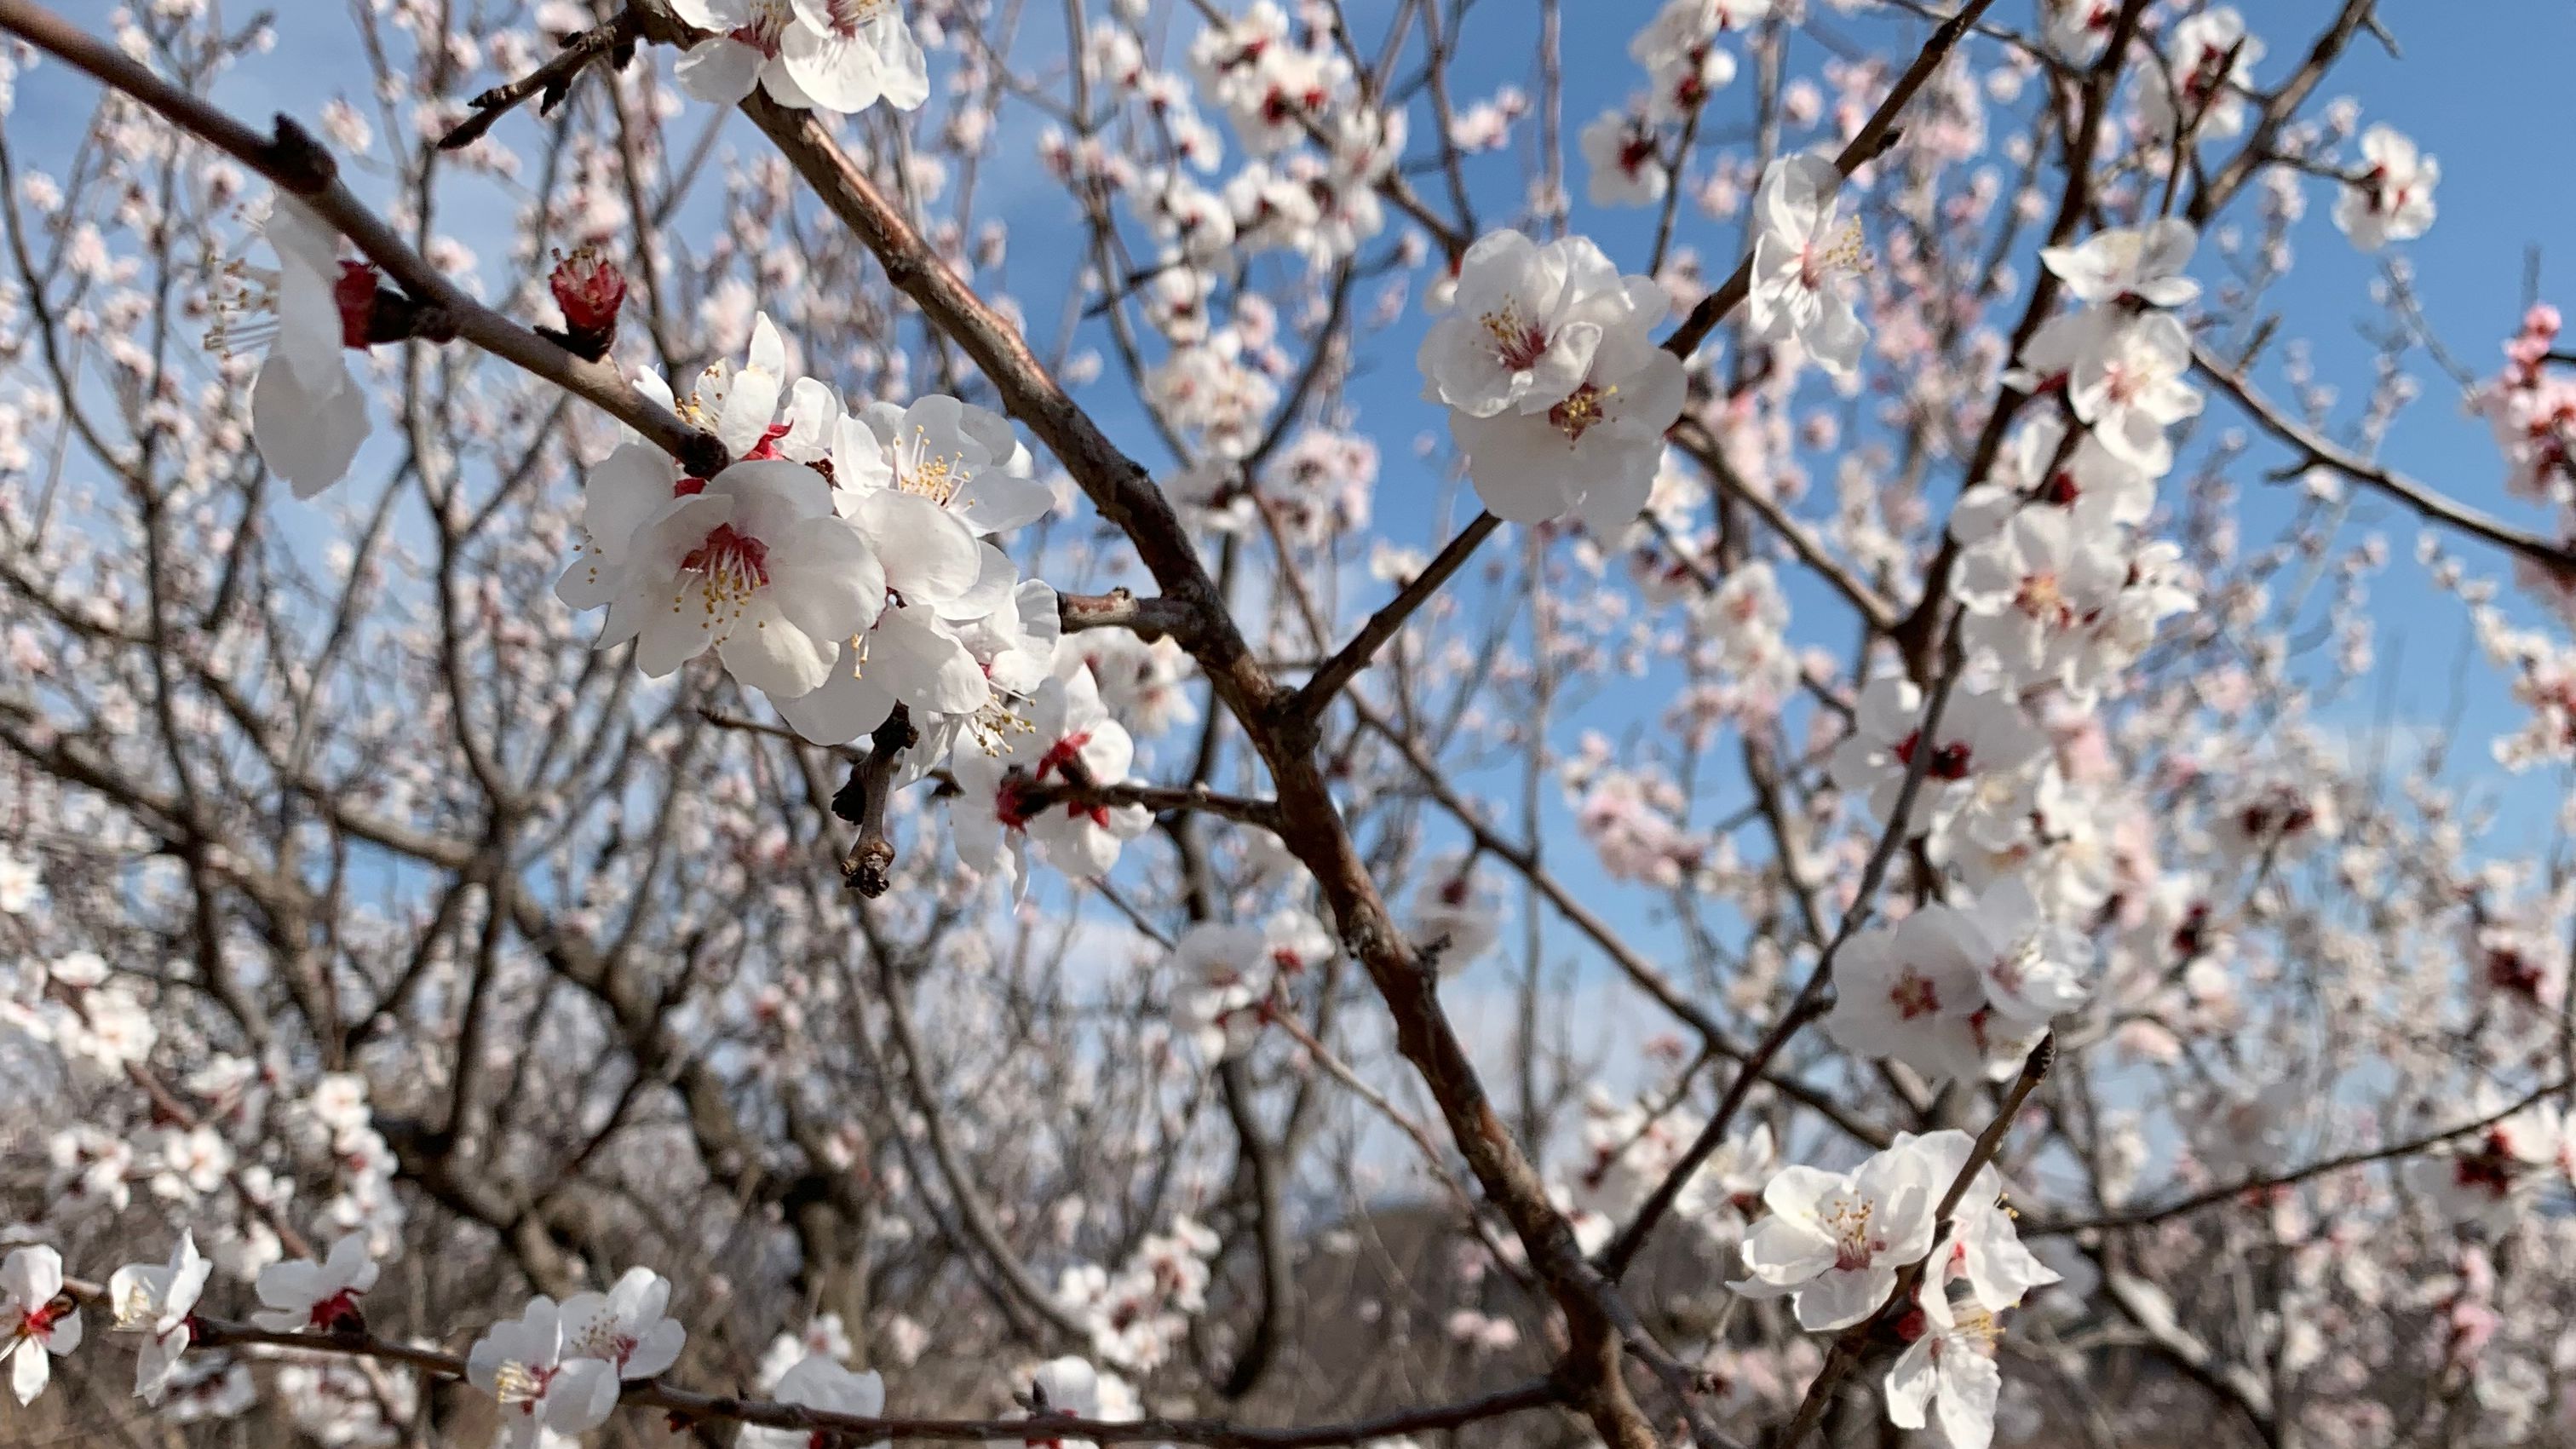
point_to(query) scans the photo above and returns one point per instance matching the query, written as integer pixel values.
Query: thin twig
(2556, 557)
(1327, 682)
(298, 164)
(613, 39)
(2230, 1192)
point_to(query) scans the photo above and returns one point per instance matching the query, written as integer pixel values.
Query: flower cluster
(835, 55)
(842, 564)
(1838, 1245)
(1557, 394)
(1139, 1314)
(557, 1367)
(1230, 977)
(2209, 72)
(1631, 1150)
(1319, 150)
(2057, 593)
(2492, 1176)
(1627, 150)
(1959, 991)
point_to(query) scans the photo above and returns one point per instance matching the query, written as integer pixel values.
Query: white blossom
(819, 1382)
(2393, 199)
(1834, 1242)
(308, 411)
(155, 1300)
(301, 1294)
(1804, 258)
(35, 1319)
(523, 1364)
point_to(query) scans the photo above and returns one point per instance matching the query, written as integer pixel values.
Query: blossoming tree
(854, 792)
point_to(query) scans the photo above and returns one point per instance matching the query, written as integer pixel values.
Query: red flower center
(740, 557)
(1949, 762)
(1914, 995)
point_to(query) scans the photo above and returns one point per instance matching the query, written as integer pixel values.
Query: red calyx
(355, 294)
(339, 1314)
(1949, 762)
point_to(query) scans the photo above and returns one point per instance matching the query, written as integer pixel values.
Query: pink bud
(590, 290)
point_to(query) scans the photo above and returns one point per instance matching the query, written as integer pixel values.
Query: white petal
(827, 580)
(1965, 1407)
(768, 652)
(28, 1371)
(629, 486)
(849, 704)
(720, 71)
(306, 437)
(1910, 1384)
(930, 557)
(924, 667)
(902, 71)
(1843, 1297)
(837, 74)
(751, 403)
(658, 1350)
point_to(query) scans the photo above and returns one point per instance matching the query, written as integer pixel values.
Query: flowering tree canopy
(826, 722)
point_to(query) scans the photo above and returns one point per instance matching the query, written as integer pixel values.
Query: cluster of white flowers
(1270, 85)
(1960, 991)
(1139, 1314)
(2057, 592)
(1319, 148)
(2491, 1177)
(2059, 595)
(75, 1003)
(836, 55)
(843, 564)
(1627, 149)
(1630, 1150)
(2208, 74)
(1742, 629)
(1837, 1245)
(1557, 394)
(558, 1367)
(1230, 976)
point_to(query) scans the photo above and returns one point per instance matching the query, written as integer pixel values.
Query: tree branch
(1351, 658)
(2556, 557)
(298, 164)
(686, 1407)
(614, 40)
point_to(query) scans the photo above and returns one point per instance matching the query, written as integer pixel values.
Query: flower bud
(590, 290)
